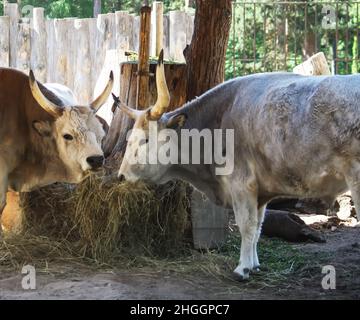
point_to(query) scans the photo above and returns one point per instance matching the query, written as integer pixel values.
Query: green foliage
(273, 35)
(84, 8)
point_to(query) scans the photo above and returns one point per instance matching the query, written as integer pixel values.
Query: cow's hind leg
(353, 182)
(246, 216)
(260, 220)
(3, 187)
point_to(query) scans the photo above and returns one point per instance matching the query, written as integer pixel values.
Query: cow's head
(138, 146)
(75, 131)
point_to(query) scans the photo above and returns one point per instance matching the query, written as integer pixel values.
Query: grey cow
(295, 136)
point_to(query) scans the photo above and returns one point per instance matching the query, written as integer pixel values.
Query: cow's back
(13, 126)
(297, 132)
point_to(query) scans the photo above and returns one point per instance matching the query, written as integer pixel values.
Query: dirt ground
(62, 281)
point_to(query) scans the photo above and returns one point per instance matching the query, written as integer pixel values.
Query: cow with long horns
(294, 136)
(43, 139)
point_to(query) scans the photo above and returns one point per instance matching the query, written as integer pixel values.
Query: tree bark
(205, 56)
(309, 45)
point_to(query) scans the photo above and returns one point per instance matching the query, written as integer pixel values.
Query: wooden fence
(80, 53)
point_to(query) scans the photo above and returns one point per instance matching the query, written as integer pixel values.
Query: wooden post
(4, 42)
(166, 39)
(178, 22)
(136, 34)
(38, 58)
(314, 66)
(59, 50)
(82, 79)
(11, 10)
(157, 31)
(124, 30)
(104, 58)
(23, 47)
(144, 51)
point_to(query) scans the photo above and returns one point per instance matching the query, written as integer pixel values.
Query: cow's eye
(68, 137)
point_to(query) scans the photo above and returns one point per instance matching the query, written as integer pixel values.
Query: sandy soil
(342, 250)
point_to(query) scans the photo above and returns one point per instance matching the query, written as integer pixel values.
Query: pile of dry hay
(103, 222)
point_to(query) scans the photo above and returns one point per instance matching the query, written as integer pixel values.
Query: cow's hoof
(241, 274)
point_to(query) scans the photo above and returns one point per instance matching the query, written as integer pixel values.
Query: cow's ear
(176, 121)
(43, 128)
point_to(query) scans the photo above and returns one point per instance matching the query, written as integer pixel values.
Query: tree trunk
(97, 8)
(205, 56)
(205, 59)
(309, 45)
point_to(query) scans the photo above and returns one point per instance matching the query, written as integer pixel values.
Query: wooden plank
(23, 46)
(166, 37)
(157, 28)
(82, 78)
(104, 60)
(136, 32)
(177, 35)
(144, 51)
(11, 10)
(59, 39)
(124, 24)
(38, 59)
(314, 66)
(5, 42)
(189, 27)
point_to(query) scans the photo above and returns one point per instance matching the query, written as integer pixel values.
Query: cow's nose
(121, 177)
(95, 162)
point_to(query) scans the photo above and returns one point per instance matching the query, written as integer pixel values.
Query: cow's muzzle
(95, 162)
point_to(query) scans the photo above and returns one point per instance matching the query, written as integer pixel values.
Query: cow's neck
(205, 111)
(201, 178)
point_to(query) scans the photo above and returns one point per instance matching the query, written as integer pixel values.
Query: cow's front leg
(246, 216)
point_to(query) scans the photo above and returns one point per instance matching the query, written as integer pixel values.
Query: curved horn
(101, 99)
(163, 100)
(134, 114)
(44, 102)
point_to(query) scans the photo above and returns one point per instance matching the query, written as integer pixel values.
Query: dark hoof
(242, 278)
(239, 277)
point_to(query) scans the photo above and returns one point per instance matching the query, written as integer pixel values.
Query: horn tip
(161, 57)
(111, 75)
(31, 76)
(116, 99)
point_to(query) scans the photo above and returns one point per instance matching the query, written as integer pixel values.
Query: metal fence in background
(278, 35)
